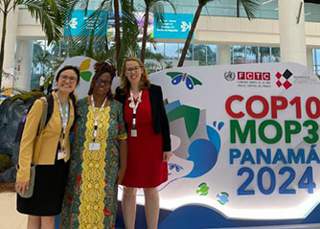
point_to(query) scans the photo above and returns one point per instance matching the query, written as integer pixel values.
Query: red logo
(283, 79)
(265, 76)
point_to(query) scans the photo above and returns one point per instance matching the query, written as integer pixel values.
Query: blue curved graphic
(189, 83)
(204, 153)
(199, 217)
(177, 79)
(204, 156)
(214, 137)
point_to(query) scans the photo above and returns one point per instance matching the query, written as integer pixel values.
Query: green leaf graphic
(191, 117)
(195, 80)
(86, 75)
(173, 74)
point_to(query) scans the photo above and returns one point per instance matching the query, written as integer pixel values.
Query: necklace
(134, 106)
(64, 116)
(96, 117)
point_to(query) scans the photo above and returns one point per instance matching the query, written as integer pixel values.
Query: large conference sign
(245, 140)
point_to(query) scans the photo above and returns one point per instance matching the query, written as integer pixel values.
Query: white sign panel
(245, 139)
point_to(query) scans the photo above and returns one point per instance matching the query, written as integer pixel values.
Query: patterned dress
(91, 194)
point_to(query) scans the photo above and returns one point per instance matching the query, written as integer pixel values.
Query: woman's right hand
(121, 174)
(22, 186)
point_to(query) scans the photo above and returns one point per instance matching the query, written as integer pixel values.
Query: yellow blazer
(42, 149)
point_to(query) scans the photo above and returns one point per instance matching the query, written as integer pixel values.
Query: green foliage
(130, 32)
(88, 43)
(5, 162)
(24, 96)
(101, 48)
(157, 8)
(44, 58)
(249, 6)
(50, 13)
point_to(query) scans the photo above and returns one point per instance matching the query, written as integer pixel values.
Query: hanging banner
(82, 23)
(174, 26)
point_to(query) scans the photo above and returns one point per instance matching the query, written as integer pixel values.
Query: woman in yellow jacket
(50, 152)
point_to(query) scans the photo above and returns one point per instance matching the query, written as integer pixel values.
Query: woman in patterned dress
(98, 160)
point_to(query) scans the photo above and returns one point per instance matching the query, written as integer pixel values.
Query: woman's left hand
(167, 155)
(121, 174)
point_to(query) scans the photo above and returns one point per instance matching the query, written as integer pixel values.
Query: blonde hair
(124, 82)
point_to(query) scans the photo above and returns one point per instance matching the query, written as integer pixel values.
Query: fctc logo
(265, 76)
(283, 79)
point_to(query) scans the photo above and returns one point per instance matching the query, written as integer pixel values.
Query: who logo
(229, 76)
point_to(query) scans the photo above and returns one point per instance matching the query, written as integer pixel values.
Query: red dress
(145, 166)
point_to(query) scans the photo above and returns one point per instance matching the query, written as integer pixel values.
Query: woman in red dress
(148, 140)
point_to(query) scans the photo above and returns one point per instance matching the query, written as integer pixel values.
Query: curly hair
(100, 68)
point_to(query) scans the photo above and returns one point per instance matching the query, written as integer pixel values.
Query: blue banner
(174, 26)
(81, 23)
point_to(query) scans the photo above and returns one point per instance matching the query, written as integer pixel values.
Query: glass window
(316, 61)
(43, 60)
(189, 55)
(171, 50)
(275, 54)
(157, 48)
(311, 12)
(265, 54)
(199, 53)
(267, 8)
(211, 54)
(252, 54)
(238, 55)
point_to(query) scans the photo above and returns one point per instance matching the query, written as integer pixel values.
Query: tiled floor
(9, 217)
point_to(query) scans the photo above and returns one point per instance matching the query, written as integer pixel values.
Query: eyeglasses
(70, 78)
(136, 68)
(105, 82)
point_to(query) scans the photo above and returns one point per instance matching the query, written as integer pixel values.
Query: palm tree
(94, 38)
(130, 31)
(248, 5)
(43, 58)
(117, 26)
(157, 7)
(50, 13)
(99, 47)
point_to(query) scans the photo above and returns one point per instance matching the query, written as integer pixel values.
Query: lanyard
(96, 117)
(64, 116)
(134, 106)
